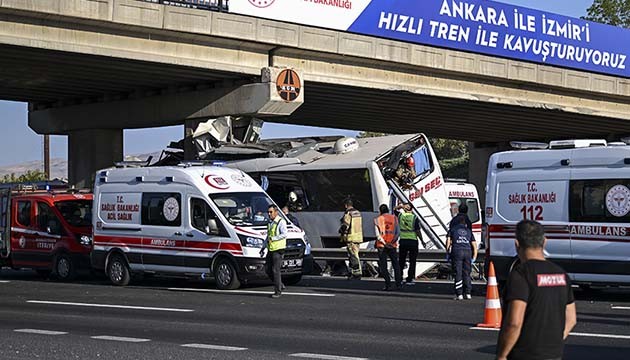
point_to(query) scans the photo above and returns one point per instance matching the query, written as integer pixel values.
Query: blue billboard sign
(479, 26)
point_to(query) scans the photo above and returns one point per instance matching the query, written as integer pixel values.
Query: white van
(464, 193)
(186, 220)
(580, 192)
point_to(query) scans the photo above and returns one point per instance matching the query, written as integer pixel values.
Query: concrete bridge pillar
(91, 150)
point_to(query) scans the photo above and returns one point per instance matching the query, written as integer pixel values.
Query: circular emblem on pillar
(618, 200)
(217, 182)
(288, 85)
(261, 3)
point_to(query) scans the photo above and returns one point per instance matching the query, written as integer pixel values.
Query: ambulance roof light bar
(525, 145)
(574, 144)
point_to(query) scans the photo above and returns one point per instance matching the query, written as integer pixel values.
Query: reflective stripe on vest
(387, 226)
(407, 231)
(272, 231)
(355, 234)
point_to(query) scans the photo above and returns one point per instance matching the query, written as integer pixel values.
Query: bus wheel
(225, 275)
(292, 279)
(64, 268)
(118, 271)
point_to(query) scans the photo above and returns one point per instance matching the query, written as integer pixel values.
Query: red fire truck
(47, 231)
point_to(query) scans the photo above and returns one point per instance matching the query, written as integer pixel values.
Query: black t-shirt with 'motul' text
(546, 289)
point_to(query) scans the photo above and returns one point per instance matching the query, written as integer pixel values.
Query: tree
(369, 134)
(29, 176)
(612, 12)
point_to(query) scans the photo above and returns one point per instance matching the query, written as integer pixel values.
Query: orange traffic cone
(492, 317)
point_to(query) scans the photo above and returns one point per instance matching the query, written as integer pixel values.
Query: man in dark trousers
(387, 235)
(275, 243)
(460, 244)
(409, 235)
(540, 308)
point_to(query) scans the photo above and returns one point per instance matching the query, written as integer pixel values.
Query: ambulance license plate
(292, 263)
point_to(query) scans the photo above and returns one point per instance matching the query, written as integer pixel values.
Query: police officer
(460, 244)
(409, 235)
(276, 242)
(387, 235)
(351, 231)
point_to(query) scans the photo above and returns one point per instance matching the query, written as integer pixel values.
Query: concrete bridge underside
(92, 65)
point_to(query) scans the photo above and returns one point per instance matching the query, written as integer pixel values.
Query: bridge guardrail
(436, 256)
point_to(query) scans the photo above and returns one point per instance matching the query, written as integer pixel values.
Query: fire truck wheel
(225, 275)
(292, 279)
(118, 271)
(64, 268)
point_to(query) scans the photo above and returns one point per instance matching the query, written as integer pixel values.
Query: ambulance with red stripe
(580, 191)
(186, 221)
(464, 193)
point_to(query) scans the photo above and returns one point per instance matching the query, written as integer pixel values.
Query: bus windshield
(245, 209)
(77, 213)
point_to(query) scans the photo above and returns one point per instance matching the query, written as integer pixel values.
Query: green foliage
(29, 176)
(612, 12)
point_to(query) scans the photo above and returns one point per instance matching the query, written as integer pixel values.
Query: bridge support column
(478, 165)
(91, 150)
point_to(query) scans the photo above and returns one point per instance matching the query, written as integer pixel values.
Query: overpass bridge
(90, 68)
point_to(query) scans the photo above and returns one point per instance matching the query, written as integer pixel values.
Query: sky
(18, 143)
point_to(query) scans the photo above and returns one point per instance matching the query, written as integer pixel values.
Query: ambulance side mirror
(212, 228)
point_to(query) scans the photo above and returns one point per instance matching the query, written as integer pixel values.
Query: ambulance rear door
(533, 186)
(600, 215)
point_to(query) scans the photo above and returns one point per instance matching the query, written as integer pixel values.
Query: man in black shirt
(540, 308)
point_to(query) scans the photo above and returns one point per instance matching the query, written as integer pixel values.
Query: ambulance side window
(599, 201)
(161, 209)
(24, 213)
(47, 220)
(200, 214)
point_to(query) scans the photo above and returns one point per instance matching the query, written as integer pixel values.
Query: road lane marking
(40, 332)
(120, 338)
(107, 306)
(4, 281)
(620, 307)
(325, 357)
(247, 292)
(608, 336)
(214, 347)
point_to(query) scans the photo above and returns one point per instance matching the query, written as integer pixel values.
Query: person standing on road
(540, 308)
(387, 234)
(351, 231)
(409, 235)
(460, 244)
(275, 243)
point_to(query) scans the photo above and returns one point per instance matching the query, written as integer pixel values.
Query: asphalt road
(322, 318)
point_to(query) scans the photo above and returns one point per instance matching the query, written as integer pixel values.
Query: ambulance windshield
(245, 209)
(77, 213)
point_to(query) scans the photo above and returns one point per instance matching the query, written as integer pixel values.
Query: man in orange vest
(387, 234)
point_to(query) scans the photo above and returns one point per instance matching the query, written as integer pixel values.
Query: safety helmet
(293, 196)
(410, 161)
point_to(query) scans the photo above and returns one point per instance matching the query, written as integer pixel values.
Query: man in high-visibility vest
(409, 235)
(275, 243)
(387, 234)
(351, 231)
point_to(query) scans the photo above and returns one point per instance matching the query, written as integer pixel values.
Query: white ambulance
(464, 193)
(580, 191)
(187, 220)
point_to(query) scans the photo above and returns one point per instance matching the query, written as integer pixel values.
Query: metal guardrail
(431, 256)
